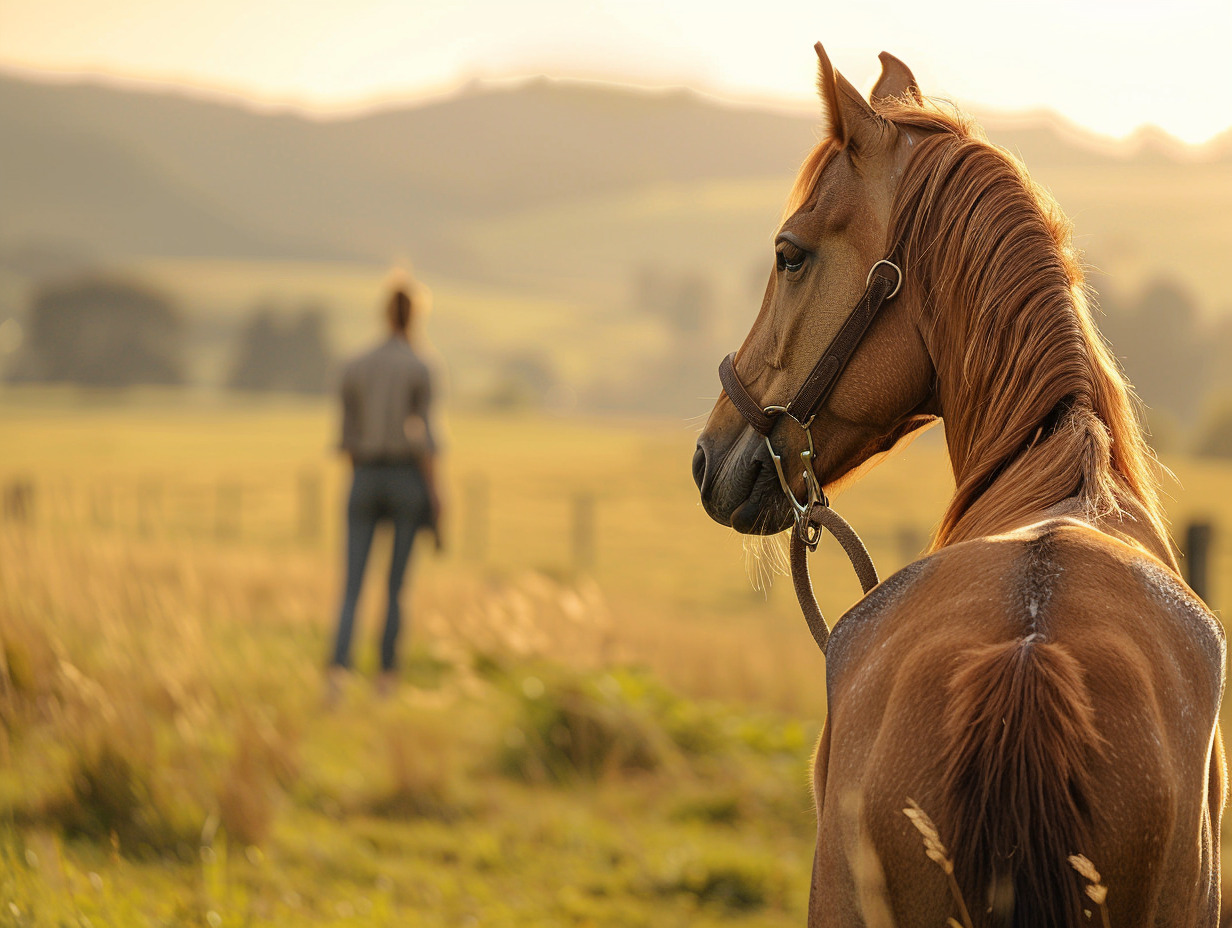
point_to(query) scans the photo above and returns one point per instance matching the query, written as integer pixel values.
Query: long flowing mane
(1034, 399)
(1053, 591)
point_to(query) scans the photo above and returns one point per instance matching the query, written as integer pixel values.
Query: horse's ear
(896, 80)
(849, 113)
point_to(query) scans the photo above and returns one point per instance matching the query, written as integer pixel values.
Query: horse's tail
(1020, 730)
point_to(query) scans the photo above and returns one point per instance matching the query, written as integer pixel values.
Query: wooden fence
(303, 508)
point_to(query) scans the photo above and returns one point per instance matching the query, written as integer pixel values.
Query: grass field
(603, 725)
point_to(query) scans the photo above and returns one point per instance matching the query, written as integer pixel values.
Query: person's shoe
(386, 684)
(335, 682)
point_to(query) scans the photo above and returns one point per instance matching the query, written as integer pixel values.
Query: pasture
(603, 719)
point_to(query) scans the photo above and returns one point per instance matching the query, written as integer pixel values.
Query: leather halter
(885, 279)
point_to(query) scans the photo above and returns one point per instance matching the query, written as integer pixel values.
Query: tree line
(114, 332)
(1178, 361)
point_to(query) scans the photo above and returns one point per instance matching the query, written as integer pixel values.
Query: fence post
(19, 501)
(583, 531)
(475, 516)
(1197, 558)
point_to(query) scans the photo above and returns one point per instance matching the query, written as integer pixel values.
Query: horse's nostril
(699, 466)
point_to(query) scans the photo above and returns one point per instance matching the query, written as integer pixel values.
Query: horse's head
(837, 228)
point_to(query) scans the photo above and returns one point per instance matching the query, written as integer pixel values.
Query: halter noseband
(885, 279)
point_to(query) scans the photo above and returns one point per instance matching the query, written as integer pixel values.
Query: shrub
(424, 769)
(111, 799)
(265, 758)
(581, 729)
(732, 880)
(721, 808)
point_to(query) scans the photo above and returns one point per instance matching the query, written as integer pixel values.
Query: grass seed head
(1096, 891)
(933, 847)
(1084, 867)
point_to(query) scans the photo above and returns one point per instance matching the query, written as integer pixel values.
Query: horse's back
(1111, 639)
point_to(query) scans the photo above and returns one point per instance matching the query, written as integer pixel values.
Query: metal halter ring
(809, 532)
(897, 270)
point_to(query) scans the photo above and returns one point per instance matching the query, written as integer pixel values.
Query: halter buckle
(810, 532)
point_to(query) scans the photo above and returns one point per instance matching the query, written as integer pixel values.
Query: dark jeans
(378, 492)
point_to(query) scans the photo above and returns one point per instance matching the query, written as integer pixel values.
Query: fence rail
(305, 508)
(226, 508)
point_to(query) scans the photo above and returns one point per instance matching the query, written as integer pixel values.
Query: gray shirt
(386, 404)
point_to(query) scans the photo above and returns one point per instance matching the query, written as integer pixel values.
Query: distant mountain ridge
(114, 173)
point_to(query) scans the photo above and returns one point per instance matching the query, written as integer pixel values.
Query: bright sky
(1111, 65)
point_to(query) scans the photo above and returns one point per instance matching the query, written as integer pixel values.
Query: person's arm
(435, 504)
(428, 464)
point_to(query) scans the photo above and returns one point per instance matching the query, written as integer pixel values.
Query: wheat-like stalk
(937, 854)
(1097, 892)
(865, 866)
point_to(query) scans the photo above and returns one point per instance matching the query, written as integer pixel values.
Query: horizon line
(393, 100)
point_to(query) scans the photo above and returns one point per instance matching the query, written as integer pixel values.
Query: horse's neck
(1052, 471)
(999, 511)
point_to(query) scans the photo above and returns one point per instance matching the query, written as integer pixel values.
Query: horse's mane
(1035, 399)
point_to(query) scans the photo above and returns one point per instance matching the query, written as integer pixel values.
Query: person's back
(386, 397)
(387, 433)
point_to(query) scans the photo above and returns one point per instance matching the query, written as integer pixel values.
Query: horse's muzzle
(739, 485)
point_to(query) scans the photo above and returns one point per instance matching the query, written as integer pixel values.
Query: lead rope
(822, 516)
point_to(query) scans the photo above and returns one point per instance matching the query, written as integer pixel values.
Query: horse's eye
(788, 257)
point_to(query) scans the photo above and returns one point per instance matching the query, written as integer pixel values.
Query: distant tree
(651, 289)
(1219, 345)
(276, 354)
(524, 380)
(1215, 435)
(687, 304)
(692, 309)
(101, 331)
(257, 344)
(308, 344)
(684, 300)
(1163, 347)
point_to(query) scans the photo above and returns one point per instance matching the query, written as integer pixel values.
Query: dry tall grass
(158, 688)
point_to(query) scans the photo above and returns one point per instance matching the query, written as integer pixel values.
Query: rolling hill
(119, 172)
(532, 209)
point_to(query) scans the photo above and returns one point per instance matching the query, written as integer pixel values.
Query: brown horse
(1042, 683)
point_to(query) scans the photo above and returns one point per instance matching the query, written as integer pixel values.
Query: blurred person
(387, 433)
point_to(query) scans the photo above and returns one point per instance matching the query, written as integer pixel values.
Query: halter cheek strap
(885, 279)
